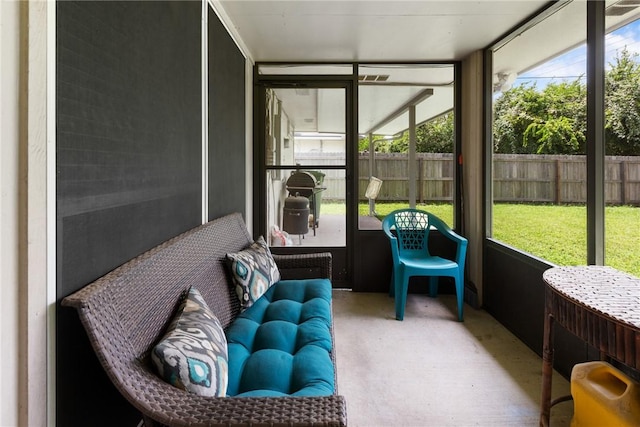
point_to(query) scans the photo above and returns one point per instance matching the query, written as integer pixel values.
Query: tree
(548, 121)
(551, 121)
(363, 143)
(622, 103)
(561, 126)
(434, 136)
(514, 112)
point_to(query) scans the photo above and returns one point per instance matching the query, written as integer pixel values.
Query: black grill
(303, 183)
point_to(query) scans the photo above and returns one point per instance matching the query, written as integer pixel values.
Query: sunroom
(136, 121)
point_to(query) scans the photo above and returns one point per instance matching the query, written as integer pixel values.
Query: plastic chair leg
(433, 286)
(401, 296)
(460, 296)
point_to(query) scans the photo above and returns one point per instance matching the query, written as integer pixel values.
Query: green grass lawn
(553, 233)
(558, 233)
(444, 211)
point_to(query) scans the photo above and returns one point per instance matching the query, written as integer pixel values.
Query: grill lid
(301, 179)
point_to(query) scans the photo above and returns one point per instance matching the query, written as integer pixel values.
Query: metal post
(372, 203)
(412, 156)
(595, 132)
(420, 189)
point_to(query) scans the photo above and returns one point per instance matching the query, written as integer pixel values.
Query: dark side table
(600, 305)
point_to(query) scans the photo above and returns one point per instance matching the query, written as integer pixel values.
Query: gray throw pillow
(192, 355)
(254, 271)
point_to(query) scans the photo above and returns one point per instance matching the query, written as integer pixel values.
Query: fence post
(558, 192)
(623, 183)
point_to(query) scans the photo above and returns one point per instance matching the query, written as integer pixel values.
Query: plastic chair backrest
(412, 228)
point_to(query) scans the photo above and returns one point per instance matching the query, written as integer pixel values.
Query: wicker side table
(600, 305)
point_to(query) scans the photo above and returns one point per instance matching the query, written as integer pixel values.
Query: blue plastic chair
(411, 257)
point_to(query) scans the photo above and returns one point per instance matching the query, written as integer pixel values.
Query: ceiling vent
(622, 7)
(374, 78)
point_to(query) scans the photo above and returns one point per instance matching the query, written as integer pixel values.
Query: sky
(573, 64)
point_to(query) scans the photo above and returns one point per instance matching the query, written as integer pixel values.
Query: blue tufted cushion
(281, 345)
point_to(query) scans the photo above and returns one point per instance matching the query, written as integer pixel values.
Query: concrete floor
(430, 370)
(332, 229)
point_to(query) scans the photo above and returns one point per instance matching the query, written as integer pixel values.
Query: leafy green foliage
(553, 120)
(623, 105)
(556, 135)
(515, 111)
(434, 136)
(528, 120)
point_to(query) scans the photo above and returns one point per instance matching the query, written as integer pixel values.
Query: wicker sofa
(126, 312)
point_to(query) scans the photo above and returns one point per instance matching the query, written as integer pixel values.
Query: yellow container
(603, 396)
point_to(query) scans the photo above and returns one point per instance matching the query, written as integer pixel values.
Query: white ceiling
(365, 30)
(374, 31)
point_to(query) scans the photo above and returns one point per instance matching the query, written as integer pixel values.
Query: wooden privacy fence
(526, 178)
(562, 179)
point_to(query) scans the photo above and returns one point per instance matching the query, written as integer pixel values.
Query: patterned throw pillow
(253, 271)
(193, 353)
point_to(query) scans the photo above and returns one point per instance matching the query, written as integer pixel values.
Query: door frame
(343, 257)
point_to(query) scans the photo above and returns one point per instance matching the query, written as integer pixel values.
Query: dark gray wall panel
(373, 262)
(226, 122)
(514, 295)
(128, 164)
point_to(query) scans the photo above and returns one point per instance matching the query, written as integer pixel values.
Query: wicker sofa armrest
(317, 263)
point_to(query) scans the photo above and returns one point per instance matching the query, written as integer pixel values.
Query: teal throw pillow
(192, 355)
(253, 271)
